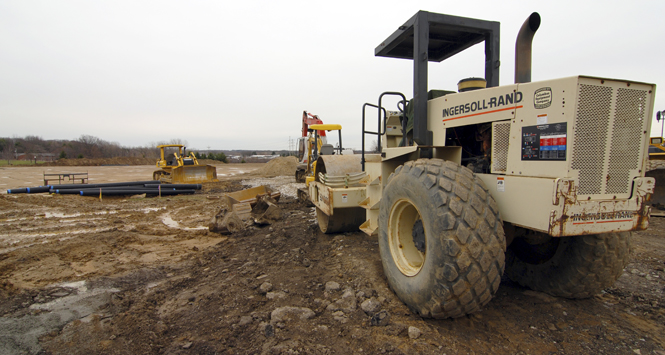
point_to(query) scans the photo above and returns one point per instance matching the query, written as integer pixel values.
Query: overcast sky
(238, 74)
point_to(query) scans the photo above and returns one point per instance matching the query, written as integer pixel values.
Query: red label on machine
(553, 140)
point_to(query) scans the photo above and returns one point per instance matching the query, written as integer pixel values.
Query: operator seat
(327, 149)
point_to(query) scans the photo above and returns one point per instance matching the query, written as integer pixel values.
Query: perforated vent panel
(609, 138)
(629, 114)
(591, 126)
(500, 142)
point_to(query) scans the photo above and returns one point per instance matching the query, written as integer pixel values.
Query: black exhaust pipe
(523, 48)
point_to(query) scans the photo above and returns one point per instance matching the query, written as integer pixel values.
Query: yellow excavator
(178, 168)
(317, 146)
(306, 145)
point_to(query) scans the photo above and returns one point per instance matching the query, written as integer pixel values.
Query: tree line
(91, 147)
(212, 156)
(86, 146)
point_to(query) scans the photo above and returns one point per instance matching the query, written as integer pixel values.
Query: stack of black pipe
(150, 188)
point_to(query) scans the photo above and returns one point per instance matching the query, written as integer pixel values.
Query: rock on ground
(284, 314)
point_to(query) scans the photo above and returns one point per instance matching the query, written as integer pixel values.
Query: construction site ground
(136, 275)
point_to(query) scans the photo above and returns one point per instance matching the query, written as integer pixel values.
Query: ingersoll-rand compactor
(543, 180)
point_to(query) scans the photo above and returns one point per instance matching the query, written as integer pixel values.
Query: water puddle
(77, 296)
(13, 239)
(167, 220)
(77, 214)
(151, 209)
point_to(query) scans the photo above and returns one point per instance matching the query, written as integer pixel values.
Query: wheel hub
(406, 237)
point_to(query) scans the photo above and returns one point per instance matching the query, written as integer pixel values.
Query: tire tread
(582, 267)
(467, 217)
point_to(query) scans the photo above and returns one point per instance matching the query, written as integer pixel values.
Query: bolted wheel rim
(406, 237)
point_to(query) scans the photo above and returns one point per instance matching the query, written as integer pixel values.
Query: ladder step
(365, 181)
(368, 229)
(366, 204)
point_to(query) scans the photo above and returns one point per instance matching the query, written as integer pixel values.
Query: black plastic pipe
(96, 192)
(110, 184)
(76, 191)
(149, 184)
(175, 186)
(29, 190)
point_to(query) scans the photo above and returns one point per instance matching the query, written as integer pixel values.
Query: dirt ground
(144, 275)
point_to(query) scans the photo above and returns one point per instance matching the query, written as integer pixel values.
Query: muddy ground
(144, 275)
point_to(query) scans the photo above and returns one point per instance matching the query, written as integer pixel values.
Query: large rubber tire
(453, 265)
(575, 267)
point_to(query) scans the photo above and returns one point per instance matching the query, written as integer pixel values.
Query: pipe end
(534, 21)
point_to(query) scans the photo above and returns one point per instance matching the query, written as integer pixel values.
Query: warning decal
(545, 142)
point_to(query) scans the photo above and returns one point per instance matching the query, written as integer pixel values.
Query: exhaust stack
(523, 48)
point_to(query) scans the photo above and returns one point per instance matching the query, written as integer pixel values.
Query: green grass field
(19, 163)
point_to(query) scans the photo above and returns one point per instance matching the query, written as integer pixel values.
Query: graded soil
(80, 275)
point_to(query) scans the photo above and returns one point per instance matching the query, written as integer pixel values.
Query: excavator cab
(321, 147)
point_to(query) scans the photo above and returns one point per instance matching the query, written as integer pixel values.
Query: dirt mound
(284, 166)
(103, 161)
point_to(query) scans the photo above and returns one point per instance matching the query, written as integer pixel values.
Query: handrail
(404, 120)
(362, 159)
(381, 132)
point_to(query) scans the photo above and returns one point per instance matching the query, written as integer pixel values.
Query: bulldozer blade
(657, 201)
(226, 222)
(266, 211)
(193, 174)
(250, 195)
(243, 210)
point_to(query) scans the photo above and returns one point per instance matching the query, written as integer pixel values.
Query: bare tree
(374, 147)
(89, 146)
(8, 149)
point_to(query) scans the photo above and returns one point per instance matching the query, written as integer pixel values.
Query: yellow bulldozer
(656, 148)
(656, 170)
(178, 168)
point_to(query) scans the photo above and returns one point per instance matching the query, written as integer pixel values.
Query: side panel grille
(500, 143)
(590, 136)
(608, 138)
(626, 139)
